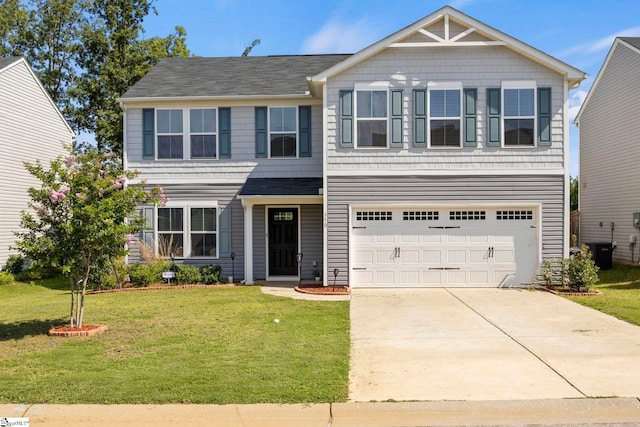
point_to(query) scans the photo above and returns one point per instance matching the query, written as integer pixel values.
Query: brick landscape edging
(98, 329)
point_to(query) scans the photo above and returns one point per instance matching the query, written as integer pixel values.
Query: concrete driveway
(486, 344)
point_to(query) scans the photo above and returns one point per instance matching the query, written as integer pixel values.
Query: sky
(579, 33)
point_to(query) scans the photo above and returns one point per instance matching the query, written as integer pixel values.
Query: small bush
(210, 274)
(188, 274)
(14, 265)
(581, 270)
(142, 274)
(6, 278)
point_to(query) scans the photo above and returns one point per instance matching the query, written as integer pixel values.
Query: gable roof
(10, 62)
(231, 77)
(447, 14)
(6, 62)
(632, 43)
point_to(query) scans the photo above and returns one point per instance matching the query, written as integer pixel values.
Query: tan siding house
(31, 129)
(609, 123)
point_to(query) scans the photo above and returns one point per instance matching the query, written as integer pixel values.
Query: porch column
(248, 241)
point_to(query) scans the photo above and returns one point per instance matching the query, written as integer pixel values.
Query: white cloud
(601, 44)
(341, 37)
(575, 103)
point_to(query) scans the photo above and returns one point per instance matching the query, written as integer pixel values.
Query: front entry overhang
(273, 191)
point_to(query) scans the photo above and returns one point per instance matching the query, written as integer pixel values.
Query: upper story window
(444, 117)
(519, 109)
(371, 118)
(188, 133)
(203, 131)
(170, 138)
(283, 132)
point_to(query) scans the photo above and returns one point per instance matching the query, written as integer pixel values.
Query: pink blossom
(69, 160)
(54, 196)
(41, 210)
(129, 239)
(101, 192)
(119, 182)
(81, 196)
(162, 197)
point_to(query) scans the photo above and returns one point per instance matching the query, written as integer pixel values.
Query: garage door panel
(458, 256)
(430, 257)
(479, 247)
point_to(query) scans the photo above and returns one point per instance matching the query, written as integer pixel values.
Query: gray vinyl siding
(225, 195)
(243, 162)
(610, 157)
(548, 191)
(31, 130)
(474, 67)
(310, 240)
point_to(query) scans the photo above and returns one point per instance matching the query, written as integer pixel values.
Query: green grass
(214, 345)
(620, 289)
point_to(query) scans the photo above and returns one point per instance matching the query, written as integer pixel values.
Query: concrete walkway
(487, 344)
(566, 412)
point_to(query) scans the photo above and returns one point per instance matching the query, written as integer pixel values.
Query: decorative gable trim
(448, 14)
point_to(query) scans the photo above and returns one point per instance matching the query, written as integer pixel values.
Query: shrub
(210, 274)
(188, 274)
(581, 270)
(6, 278)
(14, 265)
(143, 274)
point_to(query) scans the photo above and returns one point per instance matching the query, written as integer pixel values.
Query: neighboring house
(437, 156)
(31, 129)
(609, 122)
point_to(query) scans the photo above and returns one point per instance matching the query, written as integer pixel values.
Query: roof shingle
(231, 76)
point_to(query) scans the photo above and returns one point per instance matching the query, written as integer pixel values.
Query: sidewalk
(610, 411)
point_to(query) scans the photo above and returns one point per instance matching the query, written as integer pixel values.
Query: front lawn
(620, 289)
(214, 345)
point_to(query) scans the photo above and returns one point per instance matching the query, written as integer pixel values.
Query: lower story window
(188, 232)
(203, 232)
(170, 232)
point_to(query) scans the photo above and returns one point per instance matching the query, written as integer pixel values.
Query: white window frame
(186, 134)
(435, 86)
(297, 132)
(521, 84)
(158, 134)
(371, 87)
(189, 133)
(186, 207)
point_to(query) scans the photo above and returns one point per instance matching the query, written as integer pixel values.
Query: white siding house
(609, 122)
(31, 129)
(437, 156)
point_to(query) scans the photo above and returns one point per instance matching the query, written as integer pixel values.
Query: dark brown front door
(283, 241)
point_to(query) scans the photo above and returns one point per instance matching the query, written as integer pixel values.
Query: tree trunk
(73, 290)
(83, 292)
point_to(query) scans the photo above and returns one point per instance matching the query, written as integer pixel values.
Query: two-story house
(437, 156)
(31, 129)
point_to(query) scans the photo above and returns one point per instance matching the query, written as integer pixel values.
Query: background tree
(77, 220)
(574, 191)
(87, 53)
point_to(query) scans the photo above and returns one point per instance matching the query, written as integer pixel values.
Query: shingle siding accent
(442, 191)
(474, 68)
(609, 155)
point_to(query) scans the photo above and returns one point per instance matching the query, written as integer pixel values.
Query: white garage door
(443, 247)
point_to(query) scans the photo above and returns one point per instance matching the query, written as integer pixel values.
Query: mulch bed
(72, 331)
(567, 292)
(323, 290)
(158, 287)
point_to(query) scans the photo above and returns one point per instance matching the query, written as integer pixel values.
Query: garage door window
(467, 215)
(420, 215)
(514, 215)
(374, 216)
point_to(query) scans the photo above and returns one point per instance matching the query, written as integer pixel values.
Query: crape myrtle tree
(81, 217)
